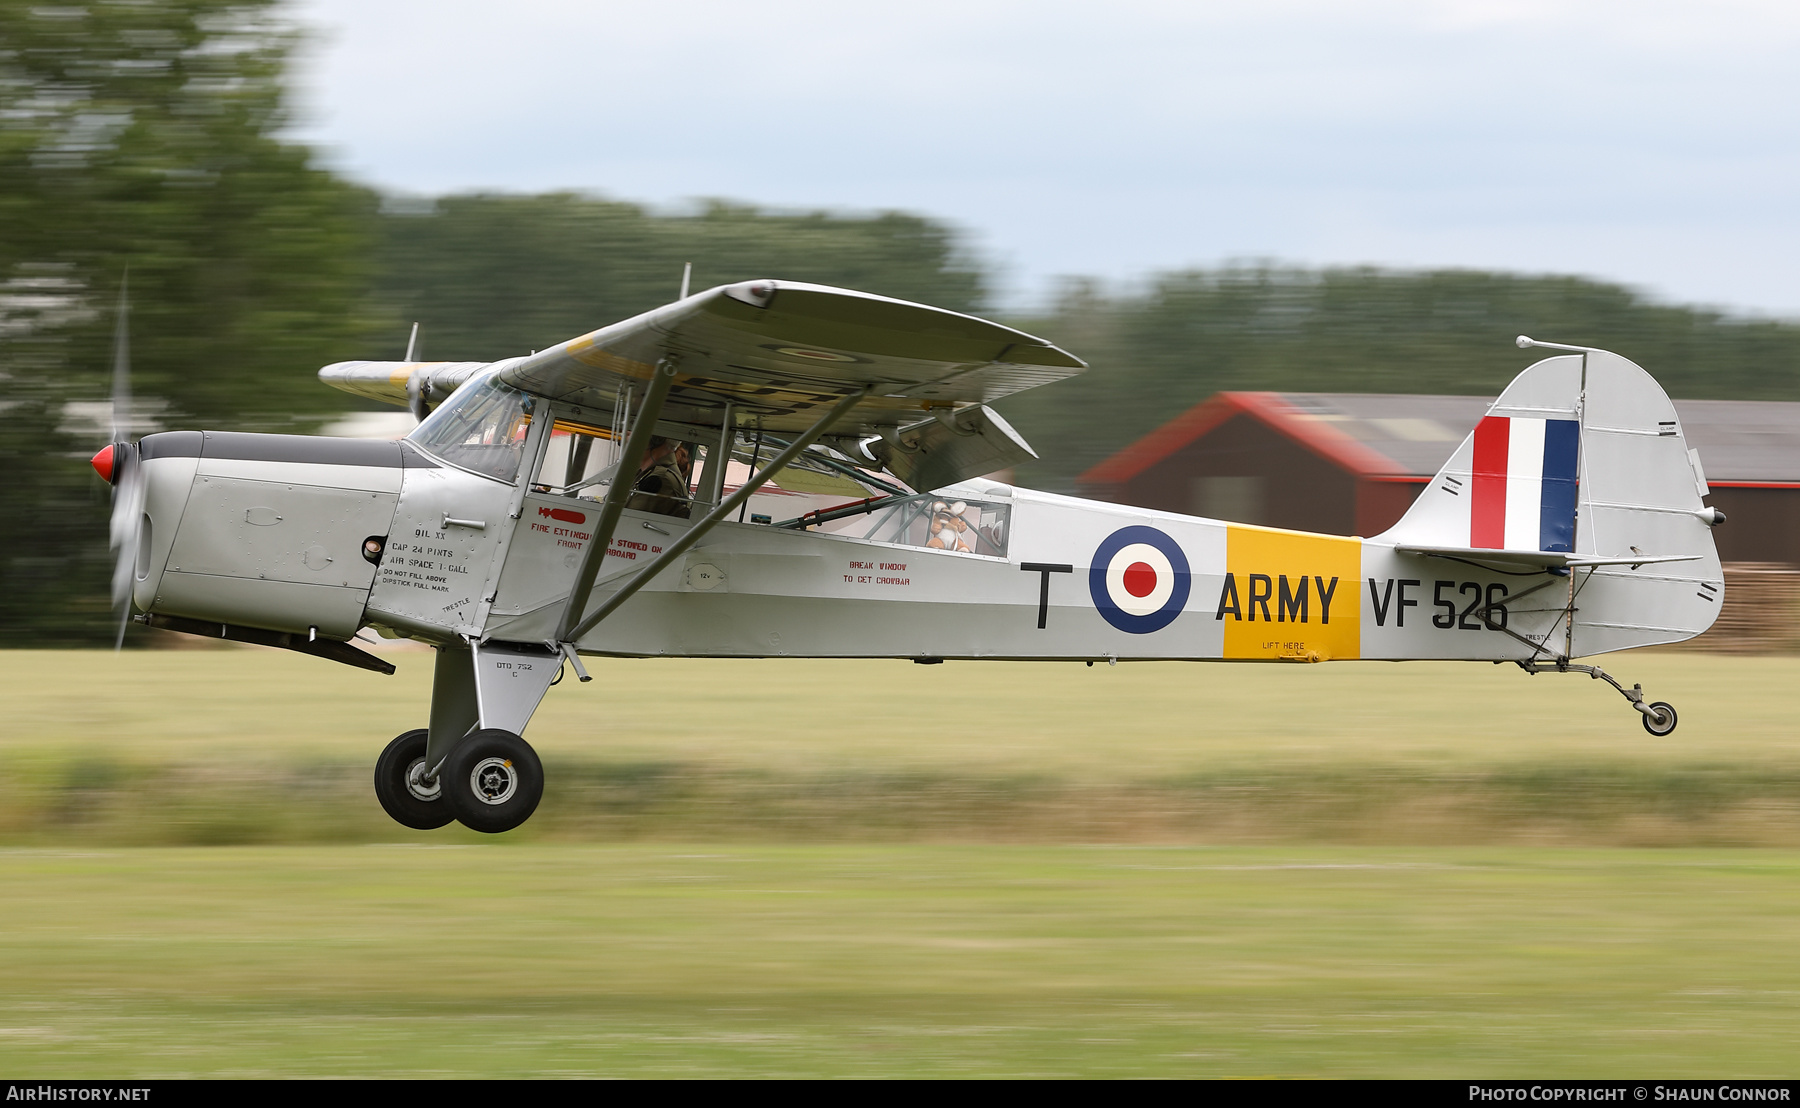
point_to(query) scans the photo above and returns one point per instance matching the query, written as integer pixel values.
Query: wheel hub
(421, 786)
(494, 780)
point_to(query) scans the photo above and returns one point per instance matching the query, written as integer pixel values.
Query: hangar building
(1351, 463)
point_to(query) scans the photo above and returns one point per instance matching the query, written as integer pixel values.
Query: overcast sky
(1647, 142)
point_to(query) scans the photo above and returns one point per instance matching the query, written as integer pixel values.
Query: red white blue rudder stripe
(1522, 494)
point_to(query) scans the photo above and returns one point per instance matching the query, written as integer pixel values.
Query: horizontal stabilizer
(1540, 559)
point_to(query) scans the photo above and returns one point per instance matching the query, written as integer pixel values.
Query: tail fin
(1581, 463)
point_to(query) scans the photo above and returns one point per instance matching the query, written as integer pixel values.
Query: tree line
(142, 142)
(1186, 335)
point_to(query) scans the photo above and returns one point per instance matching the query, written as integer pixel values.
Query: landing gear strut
(1658, 716)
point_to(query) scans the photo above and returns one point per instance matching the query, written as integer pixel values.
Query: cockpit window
(935, 522)
(481, 428)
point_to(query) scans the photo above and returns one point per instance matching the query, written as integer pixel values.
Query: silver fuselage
(267, 531)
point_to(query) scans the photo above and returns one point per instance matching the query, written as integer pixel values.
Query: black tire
(492, 780)
(410, 806)
(1664, 721)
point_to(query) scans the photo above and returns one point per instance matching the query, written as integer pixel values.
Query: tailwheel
(1659, 716)
(492, 781)
(1659, 719)
(403, 789)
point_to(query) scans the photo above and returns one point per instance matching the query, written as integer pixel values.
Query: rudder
(1583, 455)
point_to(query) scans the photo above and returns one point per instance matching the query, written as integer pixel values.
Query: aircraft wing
(784, 351)
(780, 353)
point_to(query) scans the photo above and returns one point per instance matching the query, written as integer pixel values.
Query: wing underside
(777, 354)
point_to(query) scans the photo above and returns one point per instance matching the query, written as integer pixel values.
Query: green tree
(144, 134)
(1191, 334)
(491, 276)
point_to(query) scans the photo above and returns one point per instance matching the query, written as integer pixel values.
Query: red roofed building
(1351, 463)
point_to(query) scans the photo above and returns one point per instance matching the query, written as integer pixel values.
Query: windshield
(481, 428)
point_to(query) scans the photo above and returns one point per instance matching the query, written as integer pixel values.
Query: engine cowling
(265, 531)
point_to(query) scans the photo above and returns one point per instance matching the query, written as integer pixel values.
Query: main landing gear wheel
(1660, 719)
(492, 780)
(401, 787)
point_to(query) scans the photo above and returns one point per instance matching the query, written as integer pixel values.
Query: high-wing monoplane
(774, 469)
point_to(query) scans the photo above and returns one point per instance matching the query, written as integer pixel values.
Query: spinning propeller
(117, 463)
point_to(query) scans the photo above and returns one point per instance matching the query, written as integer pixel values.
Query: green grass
(876, 869)
(1118, 723)
(258, 746)
(713, 959)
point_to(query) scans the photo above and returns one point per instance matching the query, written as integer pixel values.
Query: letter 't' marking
(1046, 569)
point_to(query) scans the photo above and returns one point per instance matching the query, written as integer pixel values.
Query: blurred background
(1193, 198)
(1269, 208)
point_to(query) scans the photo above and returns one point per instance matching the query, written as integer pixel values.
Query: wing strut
(624, 477)
(695, 533)
(849, 471)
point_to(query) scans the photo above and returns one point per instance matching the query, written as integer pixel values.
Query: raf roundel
(1139, 580)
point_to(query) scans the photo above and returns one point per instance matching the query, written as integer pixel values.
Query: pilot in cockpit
(662, 483)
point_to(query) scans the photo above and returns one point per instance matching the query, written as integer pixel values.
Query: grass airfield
(1131, 721)
(877, 869)
(899, 961)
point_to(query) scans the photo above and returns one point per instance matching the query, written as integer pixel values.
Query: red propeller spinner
(106, 463)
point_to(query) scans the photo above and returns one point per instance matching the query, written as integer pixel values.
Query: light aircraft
(518, 527)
